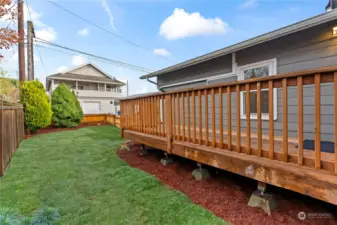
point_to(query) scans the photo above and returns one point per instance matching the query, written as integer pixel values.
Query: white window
(255, 70)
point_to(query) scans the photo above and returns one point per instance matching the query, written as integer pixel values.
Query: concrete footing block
(262, 200)
(166, 161)
(201, 174)
(143, 151)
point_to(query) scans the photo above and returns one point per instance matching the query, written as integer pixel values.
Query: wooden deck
(157, 121)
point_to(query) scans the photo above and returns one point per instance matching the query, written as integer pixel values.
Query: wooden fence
(11, 133)
(205, 124)
(101, 119)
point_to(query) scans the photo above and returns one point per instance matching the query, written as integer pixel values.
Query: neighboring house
(308, 44)
(96, 90)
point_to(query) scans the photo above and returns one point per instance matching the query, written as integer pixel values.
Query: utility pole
(22, 72)
(30, 50)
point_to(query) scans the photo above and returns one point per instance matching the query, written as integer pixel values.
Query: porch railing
(205, 116)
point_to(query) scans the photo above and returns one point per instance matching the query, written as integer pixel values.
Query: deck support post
(263, 200)
(201, 173)
(143, 150)
(167, 160)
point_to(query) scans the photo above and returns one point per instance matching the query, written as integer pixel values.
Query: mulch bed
(227, 194)
(52, 129)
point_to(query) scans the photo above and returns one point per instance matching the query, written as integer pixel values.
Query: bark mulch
(226, 194)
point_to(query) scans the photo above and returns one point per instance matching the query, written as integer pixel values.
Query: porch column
(76, 85)
(105, 87)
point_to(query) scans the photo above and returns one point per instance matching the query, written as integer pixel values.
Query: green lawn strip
(79, 173)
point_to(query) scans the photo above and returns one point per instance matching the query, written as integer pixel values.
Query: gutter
(152, 82)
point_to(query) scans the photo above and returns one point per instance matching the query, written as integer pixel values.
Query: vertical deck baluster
(229, 118)
(238, 126)
(335, 117)
(221, 117)
(213, 120)
(183, 112)
(248, 118)
(317, 123)
(194, 119)
(143, 116)
(188, 117)
(271, 118)
(153, 103)
(259, 122)
(300, 119)
(173, 117)
(206, 116)
(156, 113)
(285, 119)
(200, 116)
(178, 113)
(163, 130)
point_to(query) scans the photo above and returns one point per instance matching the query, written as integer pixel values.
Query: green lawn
(79, 173)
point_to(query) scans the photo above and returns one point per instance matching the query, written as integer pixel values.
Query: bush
(45, 216)
(67, 111)
(78, 106)
(36, 105)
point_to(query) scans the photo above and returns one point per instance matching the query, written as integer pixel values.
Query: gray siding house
(308, 44)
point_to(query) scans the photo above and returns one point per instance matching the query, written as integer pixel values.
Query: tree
(36, 104)
(8, 36)
(65, 107)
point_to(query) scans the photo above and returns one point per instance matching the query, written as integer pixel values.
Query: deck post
(168, 121)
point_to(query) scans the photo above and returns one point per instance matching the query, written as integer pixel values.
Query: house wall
(98, 96)
(312, 48)
(105, 106)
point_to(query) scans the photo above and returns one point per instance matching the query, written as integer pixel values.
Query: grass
(79, 173)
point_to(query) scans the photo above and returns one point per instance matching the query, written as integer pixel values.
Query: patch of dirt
(52, 129)
(226, 194)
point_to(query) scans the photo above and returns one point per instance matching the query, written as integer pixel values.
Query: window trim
(272, 63)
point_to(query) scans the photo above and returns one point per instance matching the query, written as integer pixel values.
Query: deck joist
(319, 184)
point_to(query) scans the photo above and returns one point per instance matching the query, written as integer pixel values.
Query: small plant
(67, 111)
(45, 216)
(9, 217)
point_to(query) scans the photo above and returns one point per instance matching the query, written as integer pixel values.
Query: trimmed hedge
(67, 111)
(36, 105)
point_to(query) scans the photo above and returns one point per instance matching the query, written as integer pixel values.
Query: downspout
(152, 82)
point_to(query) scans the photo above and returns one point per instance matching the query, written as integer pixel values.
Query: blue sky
(177, 29)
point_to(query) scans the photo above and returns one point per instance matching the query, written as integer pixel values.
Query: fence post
(169, 123)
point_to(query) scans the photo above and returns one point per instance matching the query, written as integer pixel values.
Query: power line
(119, 63)
(105, 30)
(38, 50)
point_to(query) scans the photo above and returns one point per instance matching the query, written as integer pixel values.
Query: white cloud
(106, 8)
(83, 32)
(182, 24)
(161, 52)
(61, 69)
(42, 30)
(249, 4)
(78, 60)
(293, 9)
(48, 34)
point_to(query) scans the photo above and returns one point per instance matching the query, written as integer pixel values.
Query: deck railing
(205, 116)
